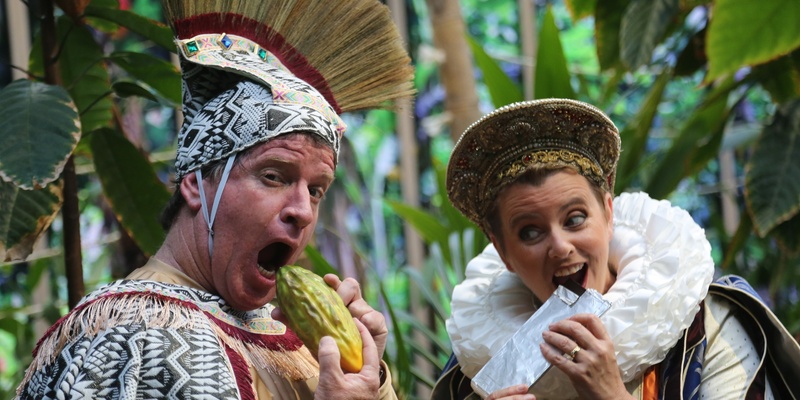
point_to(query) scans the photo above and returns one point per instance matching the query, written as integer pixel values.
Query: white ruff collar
(664, 270)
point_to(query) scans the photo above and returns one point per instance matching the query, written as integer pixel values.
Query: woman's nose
(560, 245)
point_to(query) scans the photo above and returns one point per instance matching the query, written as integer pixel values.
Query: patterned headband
(237, 95)
(549, 133)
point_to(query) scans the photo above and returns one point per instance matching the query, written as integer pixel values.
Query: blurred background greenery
(706, 94)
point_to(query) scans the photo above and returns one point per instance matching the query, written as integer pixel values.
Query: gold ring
(571, 355)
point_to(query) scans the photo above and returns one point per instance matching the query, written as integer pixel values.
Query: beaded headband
(549, 133)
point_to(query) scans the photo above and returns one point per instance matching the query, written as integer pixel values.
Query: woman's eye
(575, 220)
(528, 233)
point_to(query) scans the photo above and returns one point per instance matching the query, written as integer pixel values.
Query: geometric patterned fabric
(144, 339)
(234, 99)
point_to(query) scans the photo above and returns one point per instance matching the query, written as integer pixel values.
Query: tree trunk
(70, 213)
(456, 72)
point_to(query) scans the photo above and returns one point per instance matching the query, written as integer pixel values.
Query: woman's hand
(580, 347)
(518, 392)
(350, 292)
(334, 384)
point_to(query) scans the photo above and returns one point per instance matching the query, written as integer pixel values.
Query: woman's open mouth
(575, 273)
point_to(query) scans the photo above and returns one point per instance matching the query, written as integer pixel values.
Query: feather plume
(350, 51)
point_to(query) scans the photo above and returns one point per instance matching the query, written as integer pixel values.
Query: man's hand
(350, 292)
(335, 384)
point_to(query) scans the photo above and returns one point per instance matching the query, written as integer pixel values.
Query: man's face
(266, 216)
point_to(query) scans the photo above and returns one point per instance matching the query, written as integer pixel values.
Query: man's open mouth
(272, 257)
(575, 273)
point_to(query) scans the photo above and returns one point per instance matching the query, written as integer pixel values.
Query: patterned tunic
(149, 339)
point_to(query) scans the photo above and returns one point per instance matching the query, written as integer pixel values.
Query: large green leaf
(83, 73)
(607, 21)
(25, 215)
(636, 132)
(746, 32)
(501, 88)
(705, 124)
(128, 89)
(579, 9)
(642, 28)
(787, 237)
(161, 75)
(35, 148)
(131, 186)
(153, 30)
(428, 226)
(781, 77)
(552, 75)
(772, 189)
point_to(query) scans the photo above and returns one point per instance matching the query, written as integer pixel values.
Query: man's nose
(298, 210)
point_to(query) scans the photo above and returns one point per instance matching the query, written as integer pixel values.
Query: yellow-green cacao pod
(313, 310)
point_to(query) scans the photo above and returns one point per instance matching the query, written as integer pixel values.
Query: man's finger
(328, 357)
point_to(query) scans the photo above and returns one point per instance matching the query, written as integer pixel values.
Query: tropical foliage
(706, 93)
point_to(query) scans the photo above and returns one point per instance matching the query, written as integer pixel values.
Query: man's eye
(317, 193)
(272, 177)
(529, 233)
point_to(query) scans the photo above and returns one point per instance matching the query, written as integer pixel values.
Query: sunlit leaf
(131, 186)
(636, 132)
(501, 88)
(153, 30)
(83, 73)
(321, 266)
(25, 215)
(35, 149)
(677, 164)
(607, 20)
(580, 9)
(155, 72)
(428, 226)
(128, 89)
(745, 32)
(73, 8)
(552, 74)
(642, 28)
(772, 189)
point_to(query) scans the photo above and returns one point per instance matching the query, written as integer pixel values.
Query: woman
(538, 178)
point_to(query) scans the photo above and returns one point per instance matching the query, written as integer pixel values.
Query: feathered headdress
(253, 70)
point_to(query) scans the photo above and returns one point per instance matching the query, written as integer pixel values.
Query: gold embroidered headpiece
(551, 133)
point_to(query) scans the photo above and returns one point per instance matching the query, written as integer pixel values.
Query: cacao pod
(313, 310)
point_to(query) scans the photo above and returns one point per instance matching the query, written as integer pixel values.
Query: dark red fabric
(265, 37)
(242, 373)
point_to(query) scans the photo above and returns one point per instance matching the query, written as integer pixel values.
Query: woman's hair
(535, 176)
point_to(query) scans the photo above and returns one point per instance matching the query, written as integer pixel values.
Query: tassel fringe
(279, 354)
(350, 51)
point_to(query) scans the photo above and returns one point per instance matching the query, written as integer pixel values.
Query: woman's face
(554, 232)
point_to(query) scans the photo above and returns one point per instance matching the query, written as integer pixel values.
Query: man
(256, 154)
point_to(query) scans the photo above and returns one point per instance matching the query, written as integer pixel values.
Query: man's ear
(499, 248)
(191, 191)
